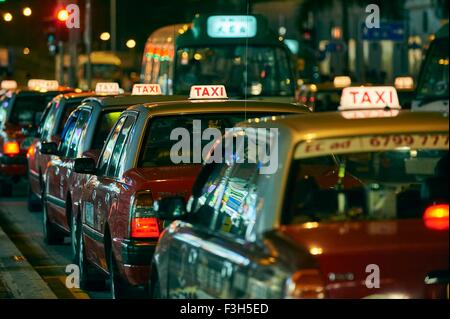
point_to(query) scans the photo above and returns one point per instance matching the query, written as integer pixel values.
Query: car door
(65, 164)
(95, 201)
(110, 186)
(53, 178)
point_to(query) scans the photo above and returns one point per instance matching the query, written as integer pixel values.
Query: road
(50, 262)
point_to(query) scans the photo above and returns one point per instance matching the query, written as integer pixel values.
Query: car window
(105, 122)
(115, 163)
(237, 211)
(107, 152)
(68, 130)
(68, 108)
(79, 133)
(48, 122)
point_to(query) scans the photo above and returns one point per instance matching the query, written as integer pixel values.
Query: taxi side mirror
(170, 208)
(85, 165)
(49, 148)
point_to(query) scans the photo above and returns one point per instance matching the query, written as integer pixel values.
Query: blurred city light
(131, 44)
(26, 51)
(27, 11)
(105, 36)
(7, 17)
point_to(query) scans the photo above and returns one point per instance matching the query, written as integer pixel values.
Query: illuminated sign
(107, 88)
(369, 98)
(404, 83)
(237, 26)
(206, 92)
(8, 85)
(39, 84)
(146, 89)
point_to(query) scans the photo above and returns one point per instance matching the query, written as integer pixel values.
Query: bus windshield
(433, 83)
(266, 72)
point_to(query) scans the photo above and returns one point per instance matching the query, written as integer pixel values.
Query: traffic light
(56, 30)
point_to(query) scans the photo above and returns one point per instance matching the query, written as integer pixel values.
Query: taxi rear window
(391, 183)
(25, 108)
(156, 148)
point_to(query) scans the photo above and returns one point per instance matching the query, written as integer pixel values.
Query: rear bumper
(136, 261)
(13, 167)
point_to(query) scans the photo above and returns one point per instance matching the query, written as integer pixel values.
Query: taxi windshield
(266, 72)
(433, 83)
(376, 185)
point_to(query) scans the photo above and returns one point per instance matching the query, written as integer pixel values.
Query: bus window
(265, 70)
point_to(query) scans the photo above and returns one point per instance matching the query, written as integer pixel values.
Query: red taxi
(138, 165)
(362, 210)
(50, 129)
(84, 134)
(20, 114)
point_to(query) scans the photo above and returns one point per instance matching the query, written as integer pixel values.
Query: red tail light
(11, 148)
(436, 217)
(306, 284)
(31, 151)
(144, 227)
(144, 224)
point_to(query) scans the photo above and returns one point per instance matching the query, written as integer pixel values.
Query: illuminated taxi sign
(107, 88)
(404, 83)
(43, 85)
(146, 89)
(342, 81)
(374, 97)
(34, 84)
(8, 85)
(234, 26)
(208, 92)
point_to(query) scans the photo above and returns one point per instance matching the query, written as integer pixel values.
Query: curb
(19, 277)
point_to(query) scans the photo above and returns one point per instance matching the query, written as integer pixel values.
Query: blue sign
(394, 31)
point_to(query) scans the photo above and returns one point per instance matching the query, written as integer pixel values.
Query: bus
(238, 51)
(432, 87)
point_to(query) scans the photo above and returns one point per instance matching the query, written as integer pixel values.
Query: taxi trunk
(402, 253)
(167, 181)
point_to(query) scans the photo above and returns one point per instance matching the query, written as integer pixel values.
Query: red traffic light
(62, 15)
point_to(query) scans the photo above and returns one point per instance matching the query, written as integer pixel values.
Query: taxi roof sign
(374, 97)
(208, 92)
(107, 88)
(43, 85)
(404, 83)
(146, 89)
(8, 85)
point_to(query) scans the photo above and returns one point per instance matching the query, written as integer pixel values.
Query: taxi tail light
(144, 223)
(436, 217)
(144, 227)
(31, 151)
(306, 284)
(11, 148)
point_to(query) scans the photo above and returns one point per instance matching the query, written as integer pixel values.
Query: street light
(26, 51)
(7, 17)
(105, 36)
(27, 11)
(131, 44)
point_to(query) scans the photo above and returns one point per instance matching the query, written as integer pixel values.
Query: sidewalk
(18, 279)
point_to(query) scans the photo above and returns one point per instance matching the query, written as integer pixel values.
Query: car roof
(77, 95)
(126, 99)
(217, 106)
(334, 125)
